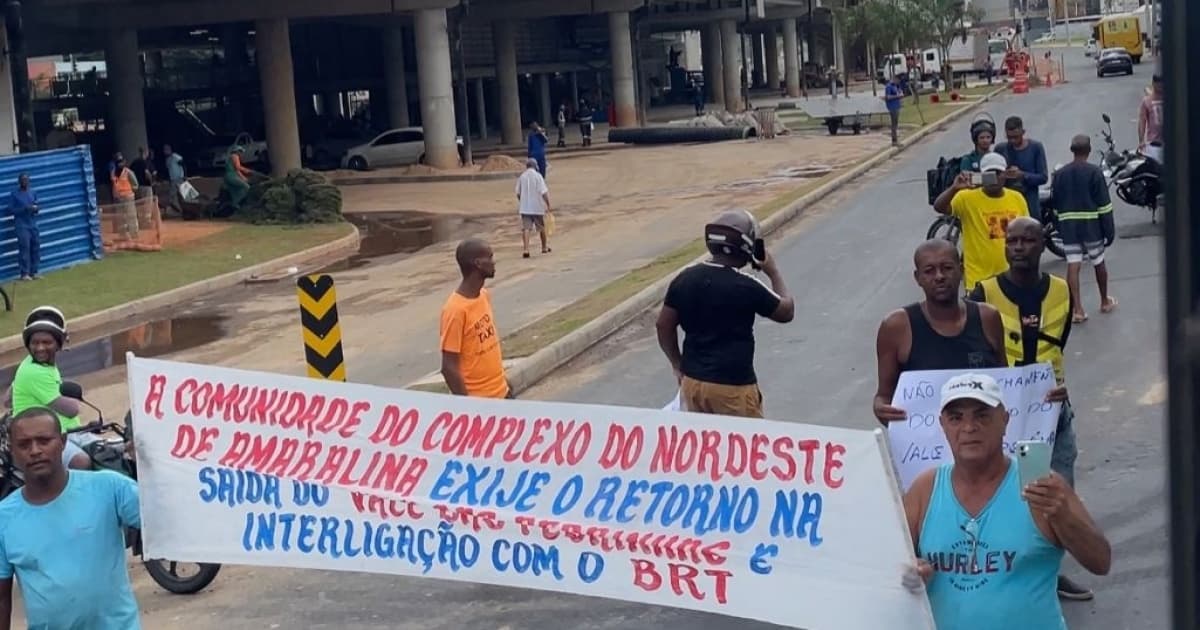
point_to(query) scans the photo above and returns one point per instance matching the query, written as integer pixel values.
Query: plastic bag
(188, 192)
(677, 404)
(549, 224)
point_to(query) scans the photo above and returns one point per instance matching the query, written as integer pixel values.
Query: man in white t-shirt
(534, 204)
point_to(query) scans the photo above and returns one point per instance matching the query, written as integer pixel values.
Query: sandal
(1109, 306)
(547, 250)
(1079, 318)
(525, 255)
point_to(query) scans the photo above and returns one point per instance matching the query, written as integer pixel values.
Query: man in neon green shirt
(37, 379)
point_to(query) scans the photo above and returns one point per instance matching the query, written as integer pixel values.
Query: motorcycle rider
(716, 304)
(983, 136)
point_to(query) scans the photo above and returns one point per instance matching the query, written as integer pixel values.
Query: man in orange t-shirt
(471, 361)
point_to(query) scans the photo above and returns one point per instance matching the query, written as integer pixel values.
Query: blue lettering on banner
(306, 493)
(238, 487)
(700, 507)
(521, 557)
(337, 538)
(793, 519)
(562, 503)
(484, 486)
(758, 562)
(591, 565)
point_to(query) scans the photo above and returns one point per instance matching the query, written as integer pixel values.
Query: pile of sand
(501, 163)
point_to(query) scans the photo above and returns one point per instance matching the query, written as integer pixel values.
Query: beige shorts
(533, 222)
(727, 400)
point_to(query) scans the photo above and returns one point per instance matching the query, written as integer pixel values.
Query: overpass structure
(502, 41)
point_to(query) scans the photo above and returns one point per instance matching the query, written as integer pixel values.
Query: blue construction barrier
(68, 217)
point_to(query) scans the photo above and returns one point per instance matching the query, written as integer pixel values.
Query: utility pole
(745, 60)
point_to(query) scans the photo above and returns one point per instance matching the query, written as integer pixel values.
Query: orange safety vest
(122, 188)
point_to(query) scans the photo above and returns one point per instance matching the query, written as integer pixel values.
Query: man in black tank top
(941, 332)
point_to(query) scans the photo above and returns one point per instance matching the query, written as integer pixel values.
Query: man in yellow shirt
(984, 212)
(471, 361)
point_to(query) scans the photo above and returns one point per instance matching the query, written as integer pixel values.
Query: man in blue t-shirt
(1026, 164)
(537, 146)
(62, 536)
(894, 97)
(23, 206)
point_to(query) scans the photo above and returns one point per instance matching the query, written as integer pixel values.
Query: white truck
(970, 56)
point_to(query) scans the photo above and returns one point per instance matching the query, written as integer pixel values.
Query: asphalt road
(847, 261)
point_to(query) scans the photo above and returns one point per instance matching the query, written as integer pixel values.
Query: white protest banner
(919, 444)
(793, 524)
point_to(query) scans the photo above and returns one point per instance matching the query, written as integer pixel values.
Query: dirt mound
(500, 163)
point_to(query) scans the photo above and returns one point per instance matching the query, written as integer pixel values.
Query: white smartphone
(976, 179)
(1033, 461)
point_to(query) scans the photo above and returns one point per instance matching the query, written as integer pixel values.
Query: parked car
(395, 147)
(1091, 48)
(1113, 61)
(214, 156)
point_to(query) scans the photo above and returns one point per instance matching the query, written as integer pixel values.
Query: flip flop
(525, 255)
(547, 250)
(1110, 306)
(1079, 319)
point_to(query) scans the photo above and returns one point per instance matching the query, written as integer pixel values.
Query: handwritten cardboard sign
(787, 523)
(919, 443)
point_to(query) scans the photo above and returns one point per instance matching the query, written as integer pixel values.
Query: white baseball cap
(979, 387)
(992, 162)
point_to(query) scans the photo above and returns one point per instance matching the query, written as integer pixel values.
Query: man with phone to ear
(716, 303)
(985, 209)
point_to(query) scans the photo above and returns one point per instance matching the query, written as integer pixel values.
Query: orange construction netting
(134, 225)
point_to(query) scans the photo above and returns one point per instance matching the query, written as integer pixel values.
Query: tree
(945, 20)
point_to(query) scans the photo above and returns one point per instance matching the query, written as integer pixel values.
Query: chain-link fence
(132, 225)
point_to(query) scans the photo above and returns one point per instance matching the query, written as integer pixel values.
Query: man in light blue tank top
(990, 550)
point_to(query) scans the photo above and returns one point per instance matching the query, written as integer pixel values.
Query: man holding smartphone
(716, 302)
(1036, 310)
(985, 209)
(989, 547)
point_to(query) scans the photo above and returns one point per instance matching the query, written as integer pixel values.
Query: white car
(395, 147)
(1091, 48)
(216, 155)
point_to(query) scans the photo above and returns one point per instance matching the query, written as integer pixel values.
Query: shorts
(530, 222)
(744, 401)
(1077, 252)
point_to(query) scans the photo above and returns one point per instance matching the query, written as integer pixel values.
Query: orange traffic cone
(1020, 82)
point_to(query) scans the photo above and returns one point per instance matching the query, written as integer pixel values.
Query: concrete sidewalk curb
(528, 371)
(80, 326)
(367, 180)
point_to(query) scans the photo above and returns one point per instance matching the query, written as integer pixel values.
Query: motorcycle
(950, 228)
(111, 450)
(1137, 176)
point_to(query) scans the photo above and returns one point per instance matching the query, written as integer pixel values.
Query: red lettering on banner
(385, 508)
(193, 444)
(758, 471)
(623, 447)
(833, 461)
(809, 448)
(782, 448)
(394, 428)
(236, 403)
(648, 577)
(152, 405)
(477, 520)
(332, 465)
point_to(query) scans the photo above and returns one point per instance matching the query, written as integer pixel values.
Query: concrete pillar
(791, 58)
(8, 106)
(574, 90)
(731, 55)
(394, 77)
(756, 53)
(545, 107)
(772, 51)
(714, 71)
(437, 93)
(127, 111)
(839, 48)
(624, 101)
(481, 108)
(273, 52)
(504, 38)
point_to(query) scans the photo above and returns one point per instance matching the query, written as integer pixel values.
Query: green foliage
(302, 196)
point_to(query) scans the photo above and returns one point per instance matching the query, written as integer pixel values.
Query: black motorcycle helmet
(45, 319)
(733, 233)
(983, 122)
